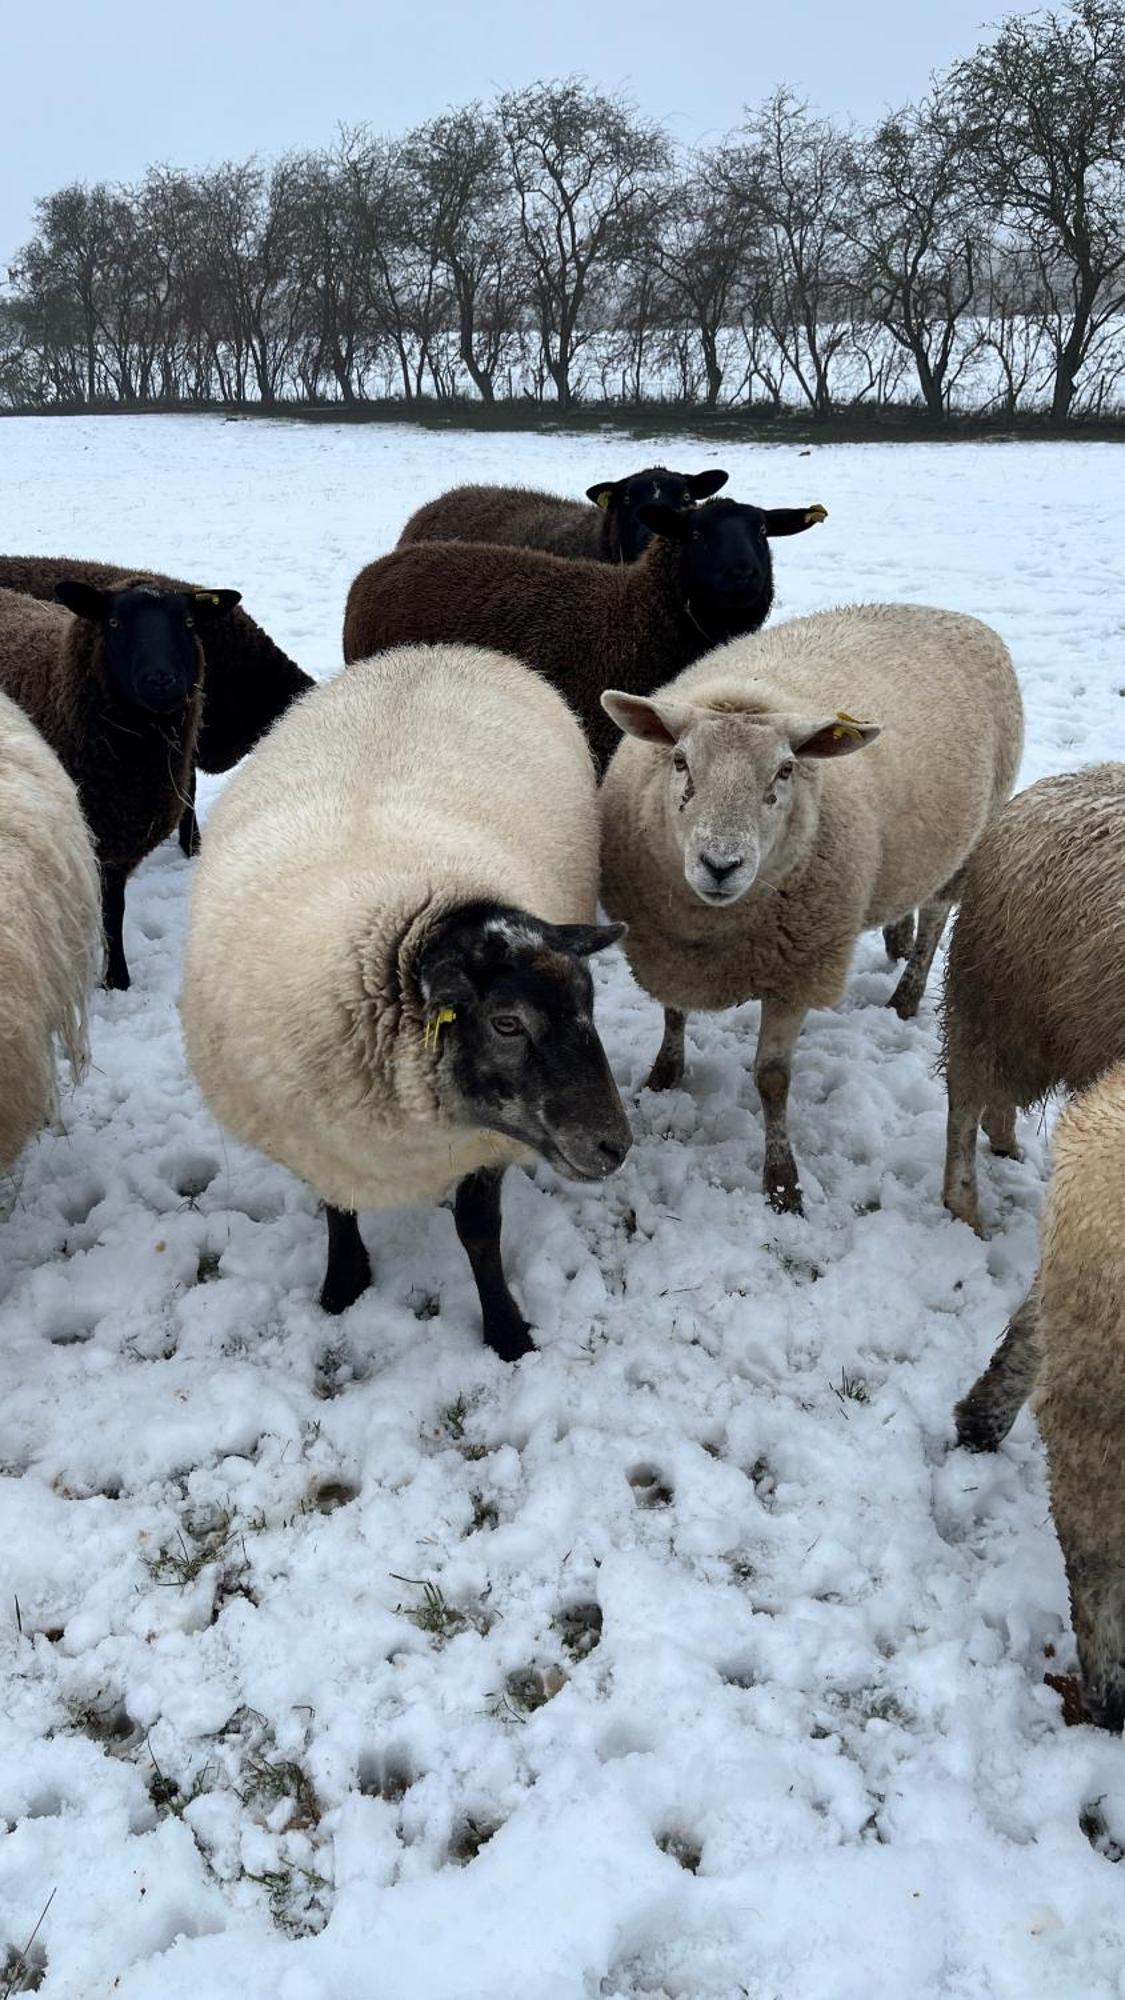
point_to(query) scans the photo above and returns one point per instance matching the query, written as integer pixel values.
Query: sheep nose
(720, 869)
(612, 1152)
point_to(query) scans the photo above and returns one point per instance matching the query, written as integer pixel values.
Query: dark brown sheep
(1034, 994)
(248, 682)
(706, 576)
(520, 517)
(114, 682)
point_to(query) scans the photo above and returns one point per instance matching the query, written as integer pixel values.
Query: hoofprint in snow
(685, 1658)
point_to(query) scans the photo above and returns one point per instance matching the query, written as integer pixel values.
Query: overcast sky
(99, 89)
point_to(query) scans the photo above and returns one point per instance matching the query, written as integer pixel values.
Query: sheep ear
(837, 736)
(648, 721)
(585, 939)
(602, 494)
(83, 599)
(703, 484)
(208, 604)
(794, 520)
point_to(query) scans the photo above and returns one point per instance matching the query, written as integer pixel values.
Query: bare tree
(916, 226)
(585, 169)
(1044, 112)
(708, 230)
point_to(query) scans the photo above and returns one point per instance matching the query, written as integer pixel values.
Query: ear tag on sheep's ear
(846, 725)
(434, 1026)
(603, 498)
(205, 597)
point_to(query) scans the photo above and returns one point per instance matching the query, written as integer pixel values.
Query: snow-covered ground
(341, 1661)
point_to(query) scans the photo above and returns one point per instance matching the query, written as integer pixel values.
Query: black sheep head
(148, 643)
(625, 536)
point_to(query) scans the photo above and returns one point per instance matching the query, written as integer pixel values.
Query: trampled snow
(687, 1658)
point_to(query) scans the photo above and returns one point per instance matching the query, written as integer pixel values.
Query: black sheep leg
(476, 1210)
(348, 1271)
(113, 924)
(189, 825)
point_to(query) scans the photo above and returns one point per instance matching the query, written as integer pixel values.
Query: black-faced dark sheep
(706, 576)
(248, 681)
(522, 518)
(114, 682)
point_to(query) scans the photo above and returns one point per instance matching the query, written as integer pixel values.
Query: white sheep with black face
(747, 847)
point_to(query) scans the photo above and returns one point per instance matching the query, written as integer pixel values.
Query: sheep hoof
(666, 1074)
(1003, 1151)
(966, 1211)
(782, 1190)
(509, 1336)
(978, 1427)
(117, 978)
(906, 998)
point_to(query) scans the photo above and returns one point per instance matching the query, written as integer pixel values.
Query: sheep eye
(190, 623)
(113, 624)
(785, 770)
(679, 761)
(508, 1024)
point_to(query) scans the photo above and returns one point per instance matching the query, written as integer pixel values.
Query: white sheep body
(414, 783)
(50, 928)
(873, 835)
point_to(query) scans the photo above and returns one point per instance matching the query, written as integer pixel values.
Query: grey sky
(99, 91)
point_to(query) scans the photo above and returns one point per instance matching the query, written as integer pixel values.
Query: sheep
(746, 859)
(1034, 995)
(1066, 1346)
(706, 576)
(525, 519)
(113, 679)
(385, 986)
(248, 681)
(50, 929)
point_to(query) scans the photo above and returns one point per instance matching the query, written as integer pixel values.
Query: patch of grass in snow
(24, 1967)
(470, 1834)
(435, 1615)
(850, 1389)
(681, 1848)
(579, 1626)
(296, 1898)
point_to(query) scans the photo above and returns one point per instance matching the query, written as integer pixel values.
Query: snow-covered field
(341, 1661)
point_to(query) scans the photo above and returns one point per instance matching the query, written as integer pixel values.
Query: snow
(295, 1614)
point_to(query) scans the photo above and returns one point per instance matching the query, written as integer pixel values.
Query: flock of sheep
(386, 984)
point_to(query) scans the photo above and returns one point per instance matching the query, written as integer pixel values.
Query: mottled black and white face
(622, 500)
(150, 641)
(732, 781)
(519, 1052)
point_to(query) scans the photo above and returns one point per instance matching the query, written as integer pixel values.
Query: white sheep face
(733, 779)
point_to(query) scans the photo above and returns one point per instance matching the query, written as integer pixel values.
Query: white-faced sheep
(1066, 1344)
(386, 986)
(247, 681)
(747, 858)
(706, 575)
(112, 678)
(1034, 992)
(50, 929)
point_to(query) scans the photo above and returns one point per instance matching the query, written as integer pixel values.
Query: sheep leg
(777, 1036)
(113, 924)
(931, 923)
(959, 1187)
(986, 1415)
(1097, 1609)
(898, 937)
(999, 1122)
(668, 1069)
(189, 825)
(348, 1271)
(476, 1211)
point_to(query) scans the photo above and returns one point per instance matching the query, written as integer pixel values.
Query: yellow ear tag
(815, 514)
(434, 1026)
(205, 597)
(603, 499)
(846, 726)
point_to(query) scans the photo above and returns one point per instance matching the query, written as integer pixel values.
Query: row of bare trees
(969, 252)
